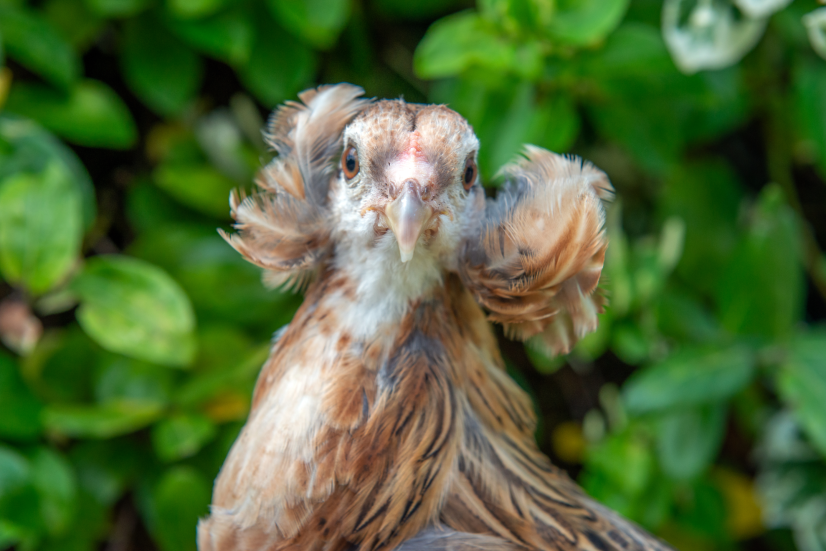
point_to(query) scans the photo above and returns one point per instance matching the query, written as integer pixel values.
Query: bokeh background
(132, 334)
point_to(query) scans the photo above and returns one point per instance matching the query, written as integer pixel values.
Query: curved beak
(407, 216)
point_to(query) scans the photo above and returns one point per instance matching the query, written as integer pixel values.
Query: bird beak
(407, 216)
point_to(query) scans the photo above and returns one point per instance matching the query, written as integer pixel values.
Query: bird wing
(283, 226)
(536, 259)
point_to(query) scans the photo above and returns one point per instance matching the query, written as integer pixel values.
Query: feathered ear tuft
(310, 133)
(284, 226)
(537, 259)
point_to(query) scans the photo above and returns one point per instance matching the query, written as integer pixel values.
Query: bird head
(406, 176)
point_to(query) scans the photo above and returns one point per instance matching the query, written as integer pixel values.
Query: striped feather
(536, 261)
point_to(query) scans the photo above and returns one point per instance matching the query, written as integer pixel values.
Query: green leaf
(186, 9)
(26, 147)
(458, 42)
(517, 16)
(227, 36)
(810, 110)
(181, 436)
(117, 8)
(60, 367)
(158, 67)
(202, 263)
(90, 114)
(583, 22)
(625, 460)
(706, 196)
(15, 473)
(173, 507)
(119, 378)
(420, 10)
(279, 66)
(199, 186)
(54, 480)
(74, 21)
(792, 482)
(692, 376)
(136, 309)
(761, 292)
(802, 384)
(19, 409)
(649, 107)
(34, 44)
(318, 22)
(104, 421)
(40, 227)
(106, 468)
(689, 439)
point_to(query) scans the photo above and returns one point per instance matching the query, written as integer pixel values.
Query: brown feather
(536, 262)
(284, 227)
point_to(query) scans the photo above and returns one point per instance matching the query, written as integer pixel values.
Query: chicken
(384, 417)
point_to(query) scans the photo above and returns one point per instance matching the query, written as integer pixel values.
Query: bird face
(406, 172)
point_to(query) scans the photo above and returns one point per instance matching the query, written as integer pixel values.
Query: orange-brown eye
(469, 177)
(350, 162)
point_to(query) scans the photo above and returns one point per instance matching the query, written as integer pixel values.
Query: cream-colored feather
(285, 226)
(536, 261)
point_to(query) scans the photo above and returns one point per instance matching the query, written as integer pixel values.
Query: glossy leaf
(75, 22)
(89, 114)
(173, 506)
(56, 485)
(761, 291)
(581, 22)
(32, 42)
(40, 227)
(277, 53)
(131, 307)
(692, 376)
(158, 67)
(181, 436)
(185, 9)
(117, 8)
(706, 197)
(802, 384)
(15, 474)
(26, 147)
(464, 40)
(19, 409)
(199, 186)
(119, 378)
(104, 421)
(689, 439)
(318, 22)
(810, 111)
(227, 36)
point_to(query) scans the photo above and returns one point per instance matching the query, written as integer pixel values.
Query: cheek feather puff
(536, 261)
(384, 418)
(284, 226)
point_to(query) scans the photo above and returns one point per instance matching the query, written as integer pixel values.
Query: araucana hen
(384, 416)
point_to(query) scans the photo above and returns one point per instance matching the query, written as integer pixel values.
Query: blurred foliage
(132, 334)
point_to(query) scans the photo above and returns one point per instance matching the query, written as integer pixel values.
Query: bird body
(384, 417)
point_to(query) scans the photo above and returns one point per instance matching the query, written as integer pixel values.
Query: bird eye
(469, 176)
(350, 162)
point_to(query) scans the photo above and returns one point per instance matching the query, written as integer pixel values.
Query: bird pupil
(351, 162)
(468, 174)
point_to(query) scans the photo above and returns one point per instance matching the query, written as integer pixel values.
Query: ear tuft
(284, 227)
(536, 261)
